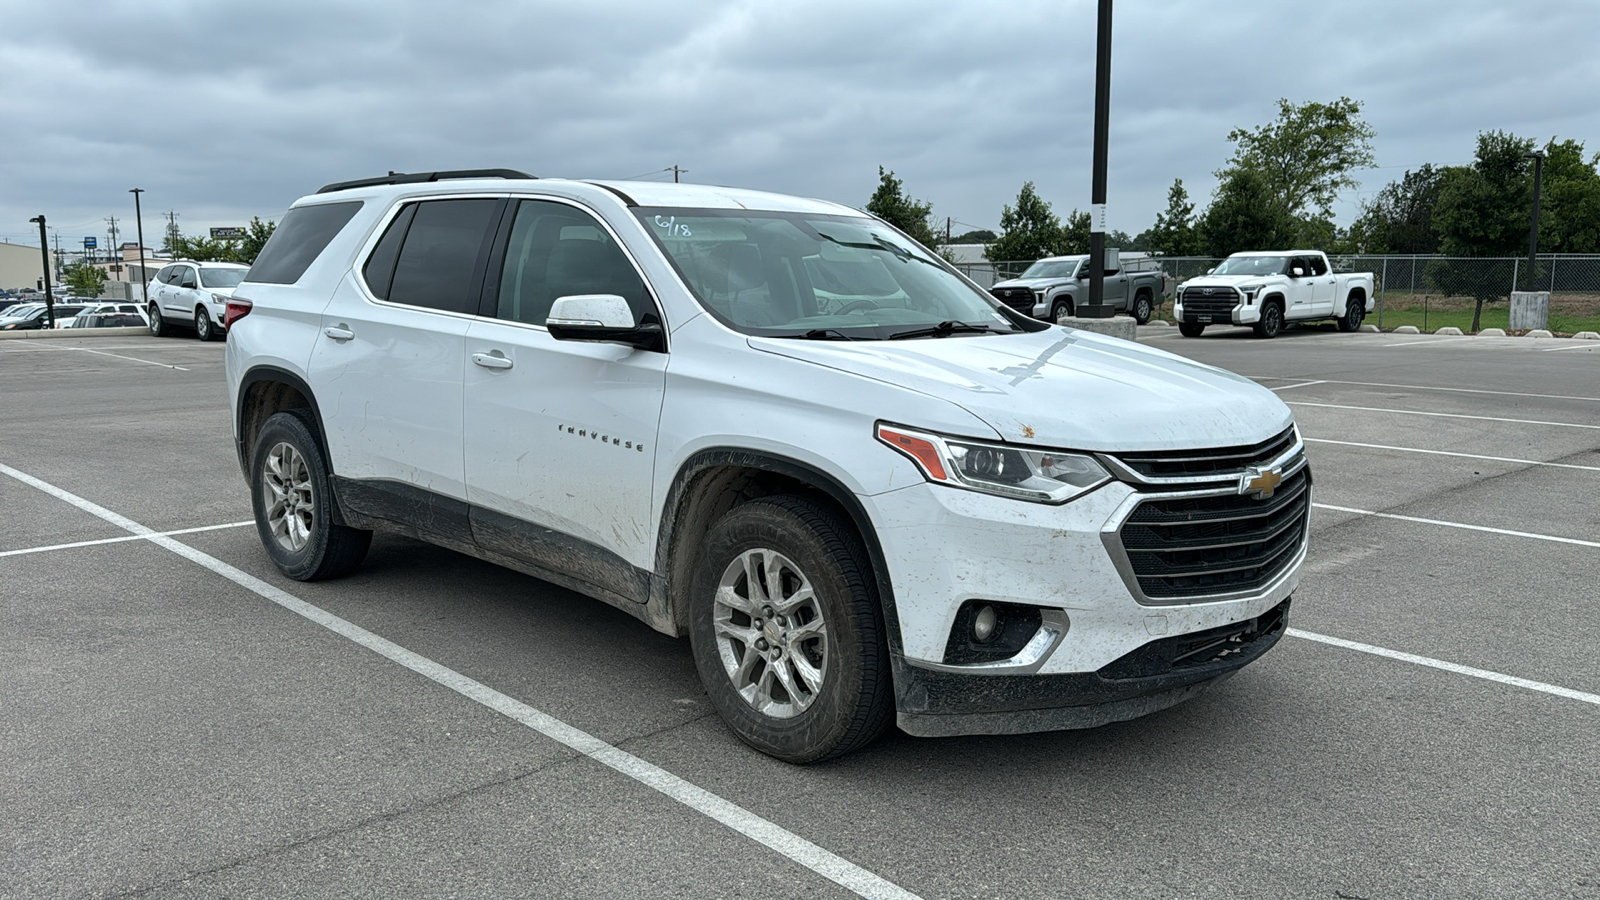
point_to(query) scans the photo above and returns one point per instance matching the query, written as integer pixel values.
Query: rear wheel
(1143, 309)
(158, 327)
(1355, 310)
(293, 499)
(1271, 322)
(1190, 329)
(787, 631)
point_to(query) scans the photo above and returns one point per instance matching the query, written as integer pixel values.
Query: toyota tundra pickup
(1269, 289)
(1052, 288)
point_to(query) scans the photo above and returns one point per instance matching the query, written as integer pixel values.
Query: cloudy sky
(221, 111)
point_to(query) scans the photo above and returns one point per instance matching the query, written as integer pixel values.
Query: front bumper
(1241, 314)
(944, 547)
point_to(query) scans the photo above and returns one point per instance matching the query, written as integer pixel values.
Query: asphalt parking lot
(180, 720)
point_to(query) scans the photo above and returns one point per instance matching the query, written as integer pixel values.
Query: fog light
(983, 624)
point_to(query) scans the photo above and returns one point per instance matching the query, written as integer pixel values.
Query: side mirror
(1297, 272)
(605, 318)
(1210, 270)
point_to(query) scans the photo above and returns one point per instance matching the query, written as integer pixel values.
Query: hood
(1032, 284)
(1228, 280)
(1064, 388)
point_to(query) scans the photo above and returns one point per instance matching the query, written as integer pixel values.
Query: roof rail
(422, 177)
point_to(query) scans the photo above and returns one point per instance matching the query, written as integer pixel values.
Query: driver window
(558, 251)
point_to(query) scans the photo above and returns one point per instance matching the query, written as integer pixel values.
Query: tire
(1354, 311)
(1190, 329)
(1271, 324)
(158, 325)
(292, 497)
(1142, 309)
(1061, 310)
(204, 328)
(836, 635)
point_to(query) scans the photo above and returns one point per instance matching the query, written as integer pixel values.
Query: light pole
(1533, 226)
(44, 258)
(1096, 308)
(138, 217)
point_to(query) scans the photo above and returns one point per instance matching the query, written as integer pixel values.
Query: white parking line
(122, 540)
(1462, 525)
(1508, 459)
(1290, 387)
(825, 863)
(1575, 345)
(1457, 668)
(97, 353)
(1429, 387)
(1444, 340)
(1418, 412)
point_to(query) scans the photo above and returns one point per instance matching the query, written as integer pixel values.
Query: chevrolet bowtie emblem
(1259, 483)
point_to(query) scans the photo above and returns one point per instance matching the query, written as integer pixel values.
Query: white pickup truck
(1267, 289)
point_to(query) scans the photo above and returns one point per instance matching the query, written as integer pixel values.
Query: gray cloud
(224, 111)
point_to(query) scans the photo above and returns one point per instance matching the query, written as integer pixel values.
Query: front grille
(1221, 460)
(1209, 301)
(1018, 298)
(1182, 548)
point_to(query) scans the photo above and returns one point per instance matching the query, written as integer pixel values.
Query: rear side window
(379, 270)
(1318, 266)
(164, 274)
(302, 235)
(440, 252)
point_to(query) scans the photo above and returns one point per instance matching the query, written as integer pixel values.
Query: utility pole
(144, 278)
(947, 231)
(44, 259)
(675, 172)
(57, 236)
(112, 221)
(172, 233)
(1533, 225)
(1096, 308)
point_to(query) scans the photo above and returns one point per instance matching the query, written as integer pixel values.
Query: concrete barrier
(1530, 310)
(1117, 326)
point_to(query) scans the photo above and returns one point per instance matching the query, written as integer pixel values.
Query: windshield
(818, 276)
(221, 278)
(1253, 265)
(1051, 268)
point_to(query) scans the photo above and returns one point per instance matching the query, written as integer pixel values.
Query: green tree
(978, 236)
(1075, 235)
(1400, 218)
(890, 203)
(1173, 234)
(204, 249)
(1306, 155)
(1244, 215)
(84, 279)
(1483, 210)
(1028, 231)
(1569, 200)
(255, 237)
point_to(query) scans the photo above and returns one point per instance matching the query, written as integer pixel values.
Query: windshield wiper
(826, 334)
(943, 329)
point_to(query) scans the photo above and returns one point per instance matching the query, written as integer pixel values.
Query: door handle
(338, 333)
(493, 360)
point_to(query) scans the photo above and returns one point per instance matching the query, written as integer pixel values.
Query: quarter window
(298, 240)
(558, 251)
(439, 251)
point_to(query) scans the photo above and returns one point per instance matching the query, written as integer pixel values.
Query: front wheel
(787, 632)
(1354, 312)
(1061, 310)
(1142, 309)
(293, 499)
(1271, 321)
(1190, 329)
(204, 328)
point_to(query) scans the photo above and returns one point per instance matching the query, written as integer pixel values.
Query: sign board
(90, 243)
(227, 233)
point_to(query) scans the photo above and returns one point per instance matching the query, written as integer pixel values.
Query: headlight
(219, 298)
(1025, 473)
(1249, 292)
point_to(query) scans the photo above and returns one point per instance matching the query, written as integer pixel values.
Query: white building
(22, 267)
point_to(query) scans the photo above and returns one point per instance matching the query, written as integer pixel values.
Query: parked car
(107, 320)
(35, 317)
(1052, 288)
(864, 489)
(193, 295)
(1269, 289)
(107, 308)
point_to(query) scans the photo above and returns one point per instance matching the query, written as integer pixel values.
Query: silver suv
(193, 295)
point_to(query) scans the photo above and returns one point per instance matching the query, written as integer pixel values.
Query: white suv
(856, 482)
(193, 295)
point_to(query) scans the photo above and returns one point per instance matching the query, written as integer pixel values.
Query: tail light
(237, 308)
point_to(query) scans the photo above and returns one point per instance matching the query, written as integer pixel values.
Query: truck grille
(1018, 298)
(1211, 301)
(1184, 548)
(1222, 460)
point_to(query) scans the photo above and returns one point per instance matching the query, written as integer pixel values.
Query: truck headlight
(1249, 292)
(1024, 473)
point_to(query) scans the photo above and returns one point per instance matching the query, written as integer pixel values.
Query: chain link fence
(1429, 292)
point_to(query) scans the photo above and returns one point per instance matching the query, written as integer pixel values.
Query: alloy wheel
(770, 633)
(291, 504)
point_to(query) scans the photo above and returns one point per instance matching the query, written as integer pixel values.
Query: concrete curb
(1449, 329)
(1408, 329)
(1492, 332)
(1539, 333)
(43, 334)
(1370, 329)
(1587, 336)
